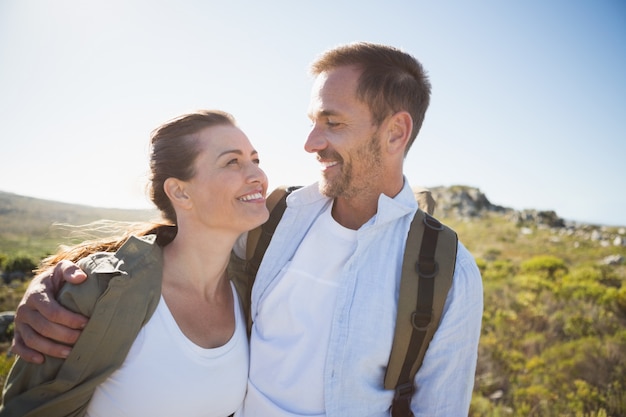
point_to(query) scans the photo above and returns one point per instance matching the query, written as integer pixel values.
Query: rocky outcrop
(467, 203)
(464, 202)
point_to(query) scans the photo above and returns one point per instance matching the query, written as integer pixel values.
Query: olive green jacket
(120, 295)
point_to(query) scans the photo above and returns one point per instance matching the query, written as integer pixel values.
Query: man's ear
(176, 191)
(399, 128)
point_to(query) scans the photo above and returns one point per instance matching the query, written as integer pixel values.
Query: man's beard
(350, 182)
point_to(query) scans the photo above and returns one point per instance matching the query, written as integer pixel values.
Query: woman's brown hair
(173, 151)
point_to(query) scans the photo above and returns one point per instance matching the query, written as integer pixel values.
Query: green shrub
(20, 263)
(482, 265)
(6, 362)
(545, 264)
(499, 269)
(621, 298)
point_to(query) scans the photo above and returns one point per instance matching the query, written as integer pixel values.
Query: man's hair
(391, 80)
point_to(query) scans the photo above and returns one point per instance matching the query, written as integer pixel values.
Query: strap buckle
(432, 223)
(401, 406)
(421, 320)
(426, 268)
(404, 391)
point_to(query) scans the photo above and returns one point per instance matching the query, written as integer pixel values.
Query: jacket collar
(134, 250)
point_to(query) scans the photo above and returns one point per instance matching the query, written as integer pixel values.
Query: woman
(166, 334)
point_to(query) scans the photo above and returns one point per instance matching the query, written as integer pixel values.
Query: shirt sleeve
(445, 380)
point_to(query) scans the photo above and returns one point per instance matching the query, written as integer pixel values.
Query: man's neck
(353, 213)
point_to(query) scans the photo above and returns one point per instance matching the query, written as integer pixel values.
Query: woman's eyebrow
(235, 151)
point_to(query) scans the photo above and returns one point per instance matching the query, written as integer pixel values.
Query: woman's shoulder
(135, 247)
(100, 268)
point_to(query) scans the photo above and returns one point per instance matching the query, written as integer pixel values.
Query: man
(325, 297)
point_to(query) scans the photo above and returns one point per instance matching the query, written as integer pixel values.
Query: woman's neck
(197, 263)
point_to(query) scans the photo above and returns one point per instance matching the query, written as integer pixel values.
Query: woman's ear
(400, 126)
(176, 191)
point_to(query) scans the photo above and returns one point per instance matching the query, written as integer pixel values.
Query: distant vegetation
(27, 225)
(554, 328)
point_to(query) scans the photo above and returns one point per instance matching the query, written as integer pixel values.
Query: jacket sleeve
(29, 386)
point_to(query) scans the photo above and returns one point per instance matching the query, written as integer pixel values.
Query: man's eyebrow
(323, 113)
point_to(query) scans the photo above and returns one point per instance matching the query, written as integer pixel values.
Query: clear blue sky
(529, 97)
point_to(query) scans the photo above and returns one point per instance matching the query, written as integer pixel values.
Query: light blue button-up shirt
(364, 317)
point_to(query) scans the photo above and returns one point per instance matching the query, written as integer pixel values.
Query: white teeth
(249, 197)
(329, 164)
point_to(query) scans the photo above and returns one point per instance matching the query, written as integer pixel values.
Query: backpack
(427, 270)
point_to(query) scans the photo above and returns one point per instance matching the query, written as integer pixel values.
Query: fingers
(35, 335)
(42, 325)
(40, 310)
(27, 338)
(40, 346)
(55, 326)
(19, 348)
(66, 271)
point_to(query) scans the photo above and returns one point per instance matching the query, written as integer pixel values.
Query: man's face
(343, 136)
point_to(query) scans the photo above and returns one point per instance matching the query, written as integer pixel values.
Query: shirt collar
(389, 209)
(402, 204)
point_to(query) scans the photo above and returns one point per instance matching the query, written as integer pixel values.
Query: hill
(27, 225)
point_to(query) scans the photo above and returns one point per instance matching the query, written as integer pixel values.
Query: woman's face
(228, 189)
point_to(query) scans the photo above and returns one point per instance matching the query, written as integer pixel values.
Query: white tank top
(165, 374)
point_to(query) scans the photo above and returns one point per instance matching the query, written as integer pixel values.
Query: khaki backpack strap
(276, 197)
(257, 243)
(426, 278)
(425, 200)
